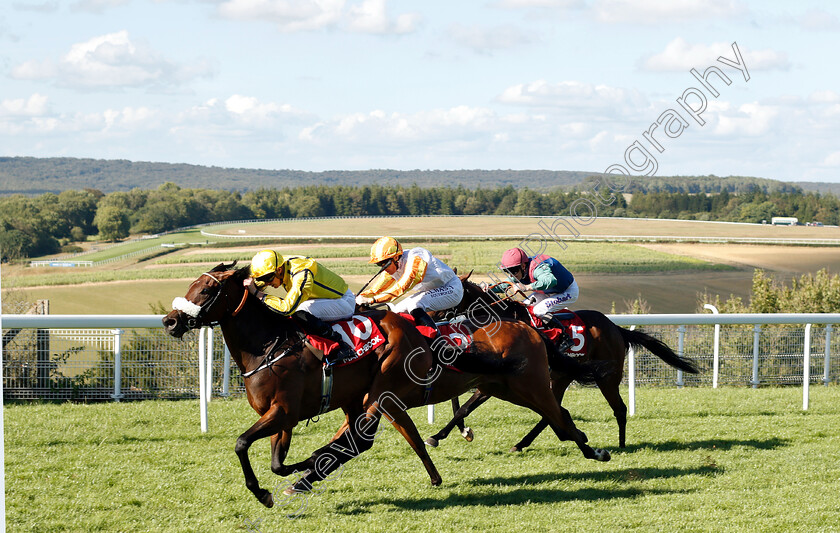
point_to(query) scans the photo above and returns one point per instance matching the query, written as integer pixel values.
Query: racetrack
(722, 460)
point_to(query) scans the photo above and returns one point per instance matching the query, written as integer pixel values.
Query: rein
(266, 363)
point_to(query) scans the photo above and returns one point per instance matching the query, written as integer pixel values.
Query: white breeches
(439, 299)
(331, 308)
(551, 303)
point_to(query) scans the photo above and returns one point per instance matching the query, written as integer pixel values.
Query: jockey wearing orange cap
(433, 285)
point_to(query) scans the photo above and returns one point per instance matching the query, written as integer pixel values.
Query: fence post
(827, 369)
(226, 372)
(631, 379)
(806, 371)
(117, 365)
(716, 358)
(680, 349)
(756, 339)
(209, 350)
(202, 387)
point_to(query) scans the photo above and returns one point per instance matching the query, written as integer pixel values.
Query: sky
(586, 85)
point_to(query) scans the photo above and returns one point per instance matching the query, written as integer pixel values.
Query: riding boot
(421, 318)
(563, 342)
(316, 326)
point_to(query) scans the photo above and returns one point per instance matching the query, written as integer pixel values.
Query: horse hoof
(267, 500)
(468, 434)
(292, 490)
(602, 455)
(431, 441)
(516, 449)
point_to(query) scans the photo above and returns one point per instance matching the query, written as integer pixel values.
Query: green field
(668, 276)
(730, 459)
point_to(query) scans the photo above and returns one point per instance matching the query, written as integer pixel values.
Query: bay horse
(287, 388)
(524, 382)
(608, 342)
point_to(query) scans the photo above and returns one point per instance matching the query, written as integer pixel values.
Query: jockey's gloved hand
(363, 300)
(531, 300)
(522, 287)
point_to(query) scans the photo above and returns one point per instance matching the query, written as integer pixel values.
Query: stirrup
(342, 353)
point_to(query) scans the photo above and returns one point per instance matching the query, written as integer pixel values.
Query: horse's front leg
(266, 426)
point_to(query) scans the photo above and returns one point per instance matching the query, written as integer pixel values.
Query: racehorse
(283, 378)
(529, 387)
(609, 343)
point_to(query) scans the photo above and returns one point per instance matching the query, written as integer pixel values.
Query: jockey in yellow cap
(313, 292)
(433, 285)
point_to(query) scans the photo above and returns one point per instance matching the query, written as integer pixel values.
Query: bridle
(197, 313)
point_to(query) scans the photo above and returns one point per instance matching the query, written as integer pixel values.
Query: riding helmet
(385, 248)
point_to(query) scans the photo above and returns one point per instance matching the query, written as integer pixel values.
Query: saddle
(359, 332)
(572, 325)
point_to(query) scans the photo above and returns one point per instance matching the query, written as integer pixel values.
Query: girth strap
(326, 389)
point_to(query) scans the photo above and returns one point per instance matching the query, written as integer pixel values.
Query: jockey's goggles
(385, 263)
(266, 278)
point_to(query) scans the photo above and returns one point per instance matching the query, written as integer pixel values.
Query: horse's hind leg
(471, 405)
(558, 387)
(609, 388)
(403, 423)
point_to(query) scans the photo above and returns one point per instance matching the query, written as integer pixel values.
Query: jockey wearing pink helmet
(553, 286)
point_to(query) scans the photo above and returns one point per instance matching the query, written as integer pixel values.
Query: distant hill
(31, 175)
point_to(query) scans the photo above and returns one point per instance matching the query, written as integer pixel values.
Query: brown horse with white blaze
(284, 376)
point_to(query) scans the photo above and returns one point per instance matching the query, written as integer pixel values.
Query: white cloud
(832, 160)
(371, 16)
(96, 6)
(527, 4)
(43, 7)
(111, 61)
(438, 125)
(751, 120)
(663, 11)
(485, 40)
(680, 56)
(576, 97)
(819, 20)
(35, 105)
(367, 16)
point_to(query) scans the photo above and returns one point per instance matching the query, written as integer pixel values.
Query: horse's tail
(585, 373)
(658, 348)
(477, 362)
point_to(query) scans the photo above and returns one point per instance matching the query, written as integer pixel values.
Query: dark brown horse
(609, 343)
(287, 388)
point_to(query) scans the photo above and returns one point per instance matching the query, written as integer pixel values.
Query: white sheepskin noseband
(186, 306)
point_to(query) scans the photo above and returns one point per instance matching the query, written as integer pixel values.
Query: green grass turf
(480, 256)
(729, 459)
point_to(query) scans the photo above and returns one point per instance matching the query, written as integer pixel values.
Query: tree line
(32, 226)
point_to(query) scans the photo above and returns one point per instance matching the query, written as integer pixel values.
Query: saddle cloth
(358, 331)
(457, 335)
(573, 326)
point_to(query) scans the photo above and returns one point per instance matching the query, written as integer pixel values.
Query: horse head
(214, 296)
